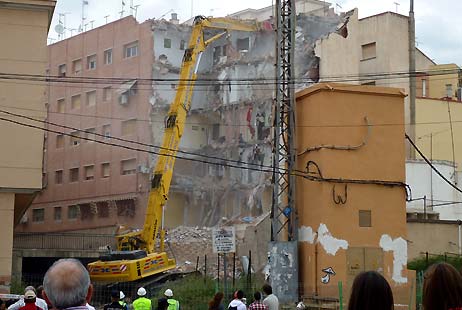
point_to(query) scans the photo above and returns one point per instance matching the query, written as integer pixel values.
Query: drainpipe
(459, 244)
(412, 78)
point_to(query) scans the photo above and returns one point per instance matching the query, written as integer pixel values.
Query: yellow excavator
(136, 256)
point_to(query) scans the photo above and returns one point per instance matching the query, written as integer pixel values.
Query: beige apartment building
(376, 45)
(23, 31)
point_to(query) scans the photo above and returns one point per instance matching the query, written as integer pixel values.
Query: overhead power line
(135, 142)
(431, 165)
(206, 82)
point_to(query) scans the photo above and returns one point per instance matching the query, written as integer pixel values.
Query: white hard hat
(141, 291)
(122, 295)
(168, 293)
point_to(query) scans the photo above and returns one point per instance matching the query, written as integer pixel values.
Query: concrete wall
(330, 233)
(24, 28)
(425, 182)
(434, 237)
(433, 134)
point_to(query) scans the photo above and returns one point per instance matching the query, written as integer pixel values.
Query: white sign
(224, 240)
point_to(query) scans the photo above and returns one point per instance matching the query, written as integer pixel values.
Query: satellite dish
(59, 29)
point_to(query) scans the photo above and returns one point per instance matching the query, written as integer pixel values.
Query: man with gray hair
(67, 285)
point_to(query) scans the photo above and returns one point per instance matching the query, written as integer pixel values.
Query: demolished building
(226, 176)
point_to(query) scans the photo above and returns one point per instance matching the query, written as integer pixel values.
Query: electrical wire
(138, 143)
(431, 165)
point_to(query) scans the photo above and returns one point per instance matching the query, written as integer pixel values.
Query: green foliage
(195, 291)
(421, 263)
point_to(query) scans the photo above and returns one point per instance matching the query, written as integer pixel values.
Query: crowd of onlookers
(66, 286)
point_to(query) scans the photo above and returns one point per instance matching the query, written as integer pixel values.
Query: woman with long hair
(370, 291)
(215, 302)
(442, 288)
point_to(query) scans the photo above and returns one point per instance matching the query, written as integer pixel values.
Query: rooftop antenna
(136, 9)
(338, 7)
(396, 6)
(72, 31)
(131, 7)
(106, 17)
(84, 3)
(163, 15)
(91, 23)
(123, 9)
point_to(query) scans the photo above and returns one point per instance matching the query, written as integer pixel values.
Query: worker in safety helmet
(122, 300)
(173, 304)
(142, 303)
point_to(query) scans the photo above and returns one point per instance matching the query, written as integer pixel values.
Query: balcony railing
(63, 241)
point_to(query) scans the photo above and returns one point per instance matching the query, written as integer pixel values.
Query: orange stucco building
(356, 134)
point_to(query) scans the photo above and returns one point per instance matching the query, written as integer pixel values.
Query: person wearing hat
(173, 304)
(29, 301)
(122, 300)
(142, 303)
(39, 302)
(114, 305)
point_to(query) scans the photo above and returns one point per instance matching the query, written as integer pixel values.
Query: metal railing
(63, 241)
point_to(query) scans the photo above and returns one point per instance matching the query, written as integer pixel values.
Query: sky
(438, 26)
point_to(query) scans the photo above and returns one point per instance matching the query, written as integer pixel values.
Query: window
(91, 98)
(73, 212)
(449, 90)
(62, 70)
(91, 62)
(243, 44)
(77, 66)
(128, 127)
(38, 215)
(368, 51)
(59, 141)
(370, 83)
(365, 218)
(58, 177)
(108, 57)
(215, 131)
(75, 102)
(106, 132)
(167, 43)
(74, 175)
(424, 88)
(182, 44)
(128, 166)
(107, 93)
(58, 214)
(61, 105)
(131, 50)
(105, 170)
(90, 134)
(75, 138)
(89, 172)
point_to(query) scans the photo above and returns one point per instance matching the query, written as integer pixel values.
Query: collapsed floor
(231, 118)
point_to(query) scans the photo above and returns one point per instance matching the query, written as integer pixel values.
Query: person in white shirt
(271, 300)
(39, 302)
(236, 303)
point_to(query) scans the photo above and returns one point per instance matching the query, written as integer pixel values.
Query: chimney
(174, 19)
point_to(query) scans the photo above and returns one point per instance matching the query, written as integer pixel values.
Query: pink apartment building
(87, 184)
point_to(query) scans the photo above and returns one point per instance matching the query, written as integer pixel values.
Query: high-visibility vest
(173, 304)
(142, 303)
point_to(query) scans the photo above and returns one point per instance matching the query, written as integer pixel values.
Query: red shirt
(258, 305)
(30, 306)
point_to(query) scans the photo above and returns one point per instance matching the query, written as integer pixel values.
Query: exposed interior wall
(231, 118)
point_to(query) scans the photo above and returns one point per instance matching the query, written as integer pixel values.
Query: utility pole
(412, 77)
(284, 279)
